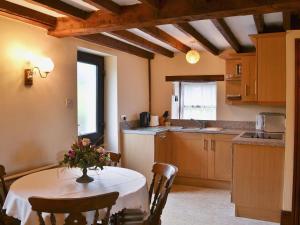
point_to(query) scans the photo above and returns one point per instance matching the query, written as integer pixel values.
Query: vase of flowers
(84, 155)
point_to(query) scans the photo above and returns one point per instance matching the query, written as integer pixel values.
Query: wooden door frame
(296, 181)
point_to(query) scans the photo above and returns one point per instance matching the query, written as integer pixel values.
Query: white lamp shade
(45, 65)
(192, 56)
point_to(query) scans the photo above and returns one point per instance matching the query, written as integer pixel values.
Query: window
(194, 101)
(90, 96)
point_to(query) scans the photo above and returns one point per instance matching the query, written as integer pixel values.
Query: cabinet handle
(205, 144)
(163, 136)
(213, 145)
(246, 92)
(255, 87)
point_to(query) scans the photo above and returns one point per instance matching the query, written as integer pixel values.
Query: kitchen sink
(263, 135)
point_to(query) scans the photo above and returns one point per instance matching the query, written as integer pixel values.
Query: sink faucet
(201, 123)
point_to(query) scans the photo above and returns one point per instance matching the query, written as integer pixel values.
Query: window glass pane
(86, 98)
(199, 101)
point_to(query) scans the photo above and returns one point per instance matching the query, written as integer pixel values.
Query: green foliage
(84, 155)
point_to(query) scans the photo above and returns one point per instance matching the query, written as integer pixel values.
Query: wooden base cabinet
(140, 151)
(162, 151)
(202, 159)
(189, 154)
(220, 157)
(258, 181)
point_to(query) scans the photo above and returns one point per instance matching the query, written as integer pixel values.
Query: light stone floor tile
(201, 206)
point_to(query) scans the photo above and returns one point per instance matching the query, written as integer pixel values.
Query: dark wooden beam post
(165, 37)
(191, 31)
(152, 3)
(106, 5)
(110, 42)
(62, 8)
(287, 20)
(27, 15)
(221, 25)
(128, 36)
(259, 23)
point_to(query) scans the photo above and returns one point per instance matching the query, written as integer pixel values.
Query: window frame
(181, 100)
(84, 57)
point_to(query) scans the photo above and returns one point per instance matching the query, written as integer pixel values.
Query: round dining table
(61, 183)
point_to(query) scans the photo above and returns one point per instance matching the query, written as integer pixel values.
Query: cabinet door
(162, 153)
(220, 157)
(189, 154)
(271, 57)
(232, 67)
(249, 79)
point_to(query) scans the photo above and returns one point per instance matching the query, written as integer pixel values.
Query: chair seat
(129, 217)
(8, 220)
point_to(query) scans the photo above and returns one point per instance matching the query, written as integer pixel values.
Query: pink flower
(71, 154)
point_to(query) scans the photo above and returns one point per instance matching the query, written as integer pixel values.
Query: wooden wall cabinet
(241, 87)
(271, 68)
(249, 78)
(263, 74)
(258, 181)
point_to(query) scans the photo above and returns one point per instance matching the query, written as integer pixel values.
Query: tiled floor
(200, 206)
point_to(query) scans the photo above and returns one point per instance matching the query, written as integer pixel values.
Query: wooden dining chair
(163, 178)
(4, 219)
(74, 207)
(3, 191)
(114, 159)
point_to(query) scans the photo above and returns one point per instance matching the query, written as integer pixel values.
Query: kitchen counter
(258, 141)
(236, 140)
(157, 130)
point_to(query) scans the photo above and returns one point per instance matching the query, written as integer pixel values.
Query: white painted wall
(35, 125)
(208, 65)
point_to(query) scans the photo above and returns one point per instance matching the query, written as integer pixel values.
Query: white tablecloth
(60, 183)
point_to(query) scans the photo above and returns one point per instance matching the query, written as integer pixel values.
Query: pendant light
(192, 56)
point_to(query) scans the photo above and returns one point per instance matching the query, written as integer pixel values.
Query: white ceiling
(152, 39)
(273, 19)
(241, 26)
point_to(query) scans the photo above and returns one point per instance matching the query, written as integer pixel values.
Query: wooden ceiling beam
(165, 37)
(259, 23)
(224, 29)
(105, 5)
(62, 8)
(189, 30)
(175, 11)
(26, 15)
(135, 39)
(152, 3)
(110, 42)
(287, 20)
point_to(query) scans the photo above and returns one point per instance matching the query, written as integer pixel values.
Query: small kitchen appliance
(144, 119)
(154, 121)
(270, 122)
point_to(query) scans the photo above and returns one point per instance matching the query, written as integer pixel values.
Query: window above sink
(193, 100)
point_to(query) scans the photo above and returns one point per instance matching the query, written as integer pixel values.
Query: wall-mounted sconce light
(42, 66)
